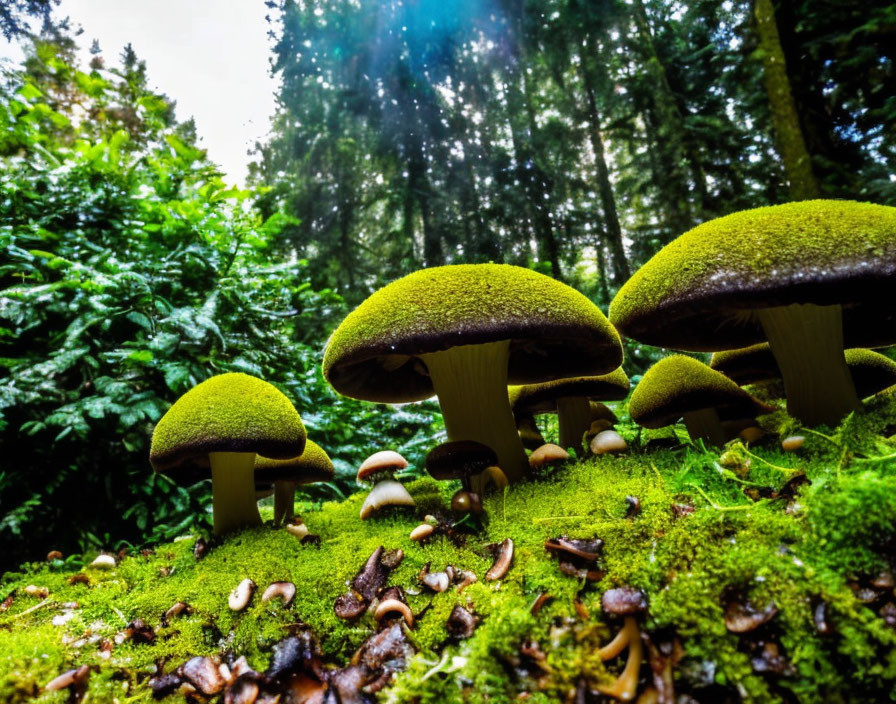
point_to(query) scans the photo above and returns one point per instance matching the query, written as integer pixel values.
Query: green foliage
(129, 273)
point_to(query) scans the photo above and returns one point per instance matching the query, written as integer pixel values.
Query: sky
(210, 56)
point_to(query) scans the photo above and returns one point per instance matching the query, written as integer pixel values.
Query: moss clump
(678, 384)
(694, 294)
(228, 413)
(700, 535)
(554, 330)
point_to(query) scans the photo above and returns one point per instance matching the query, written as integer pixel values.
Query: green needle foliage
(129, 273)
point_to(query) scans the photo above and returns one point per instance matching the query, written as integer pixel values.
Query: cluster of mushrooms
(776, 293)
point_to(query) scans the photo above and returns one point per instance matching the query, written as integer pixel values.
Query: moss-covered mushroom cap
(678, 384)
(313, 465)
(542, 398)
(227, 413)
(696, 293)
(871, 371)
(554, 330)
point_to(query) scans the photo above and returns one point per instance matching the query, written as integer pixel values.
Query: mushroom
(463, 332)
(313, 465)
(577, 557)
(379, 468)
(466, 460)
(530, 435)
(628, 603)
(679, 386)
(503, 554)
(546, 455)
(569, 399)
(220, 425)
(607, 442)
(808, 277)
(870, 371)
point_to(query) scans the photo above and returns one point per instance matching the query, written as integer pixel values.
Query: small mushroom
(239, 597)
(103, 562)
(461, 623)
(503, 554)
(300, 530)
(75, 679)
(391, 606)
(577, 557)
(464, 502)
(54, 555)
(282, 590)
(385, 493)
(624, 601)
(180, 608)
(608, 442)
(626, 685)
(422, 532)
(547, 455)
(792, 443)
(634, 506)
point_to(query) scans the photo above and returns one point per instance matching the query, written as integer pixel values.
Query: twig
(34, 608)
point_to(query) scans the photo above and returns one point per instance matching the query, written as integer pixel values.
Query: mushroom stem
(574, 418)
(284, 501)
(807, 341)
(471, 383)
(233, 491)
(626, 685)
(705, 425)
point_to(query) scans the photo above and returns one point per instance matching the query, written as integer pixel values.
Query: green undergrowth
(794, 551)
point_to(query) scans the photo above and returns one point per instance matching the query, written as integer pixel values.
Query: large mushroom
(313, 465)
(463, 332)
(870, 371)
(679, 386)
(222, 424)
(805, 276)
(569, 399)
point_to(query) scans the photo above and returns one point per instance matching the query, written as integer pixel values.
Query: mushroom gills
(471, 384)
(233, 491)
(807, 342)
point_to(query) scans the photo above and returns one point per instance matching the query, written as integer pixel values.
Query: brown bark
(789, 140)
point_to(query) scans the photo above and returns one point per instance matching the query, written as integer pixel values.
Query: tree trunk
(612, 230)
(789, 139)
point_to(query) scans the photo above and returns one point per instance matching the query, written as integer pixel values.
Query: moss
(542, 397)
(871, 371)
(228, 413)
(313, 465)
(554, 329)
(695, 294)
(797, 554)
(678, 384)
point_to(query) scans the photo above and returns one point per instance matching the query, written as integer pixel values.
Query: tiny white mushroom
(792, 443)
(547, 454)
(103, 562)
(300, 530)
(284, 590)
(386, 493)
(608, 441)
(421, 532)
(239, 597)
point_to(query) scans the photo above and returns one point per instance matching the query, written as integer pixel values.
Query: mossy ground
(796, 553)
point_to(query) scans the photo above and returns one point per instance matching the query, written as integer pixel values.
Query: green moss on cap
(227, 413)
(871, 371)
(554, 330)
(696, 292)
(313, 465)
(677, 384)
(542, 398)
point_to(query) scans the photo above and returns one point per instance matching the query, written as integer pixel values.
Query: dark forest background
(575, 137)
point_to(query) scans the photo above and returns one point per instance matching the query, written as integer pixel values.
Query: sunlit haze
(210, 57)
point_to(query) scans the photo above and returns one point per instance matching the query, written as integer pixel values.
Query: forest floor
(767, 576)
